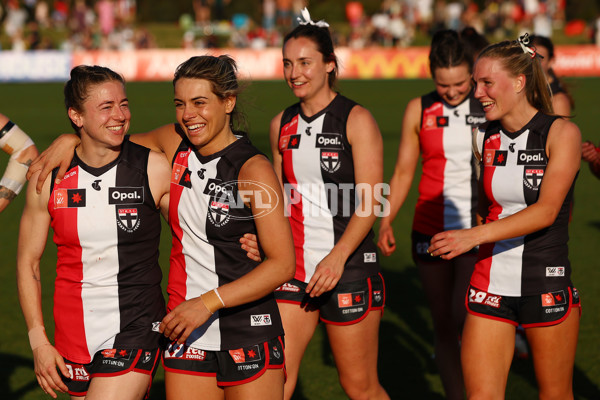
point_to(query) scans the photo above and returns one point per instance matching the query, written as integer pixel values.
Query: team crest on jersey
(533, 178)
(495, 158)
(69, 198)
(330, 161)
(218, 213)
(127, 219)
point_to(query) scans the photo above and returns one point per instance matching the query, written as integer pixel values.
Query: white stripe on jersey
(199, 254)
(507, 186)
(100, 262)
(457, 178)
(319, 236)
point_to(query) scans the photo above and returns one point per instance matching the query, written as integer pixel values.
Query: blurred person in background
(437, 127)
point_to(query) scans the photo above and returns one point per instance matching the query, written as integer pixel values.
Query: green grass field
(407, 369)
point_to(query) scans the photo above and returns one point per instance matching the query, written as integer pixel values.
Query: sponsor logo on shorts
(481, 297)
(78, 373)
(116, 353)
(370, 257)
(246, 355)
(552, 299)
(125, 195)
(421, 247)
(288, 287)
(174, 350)
(351, 299)
(194, 354)
(261, 320)
(155, 326)
(555, 271)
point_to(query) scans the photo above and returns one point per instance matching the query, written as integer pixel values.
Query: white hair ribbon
(524, 42)
(305, 20)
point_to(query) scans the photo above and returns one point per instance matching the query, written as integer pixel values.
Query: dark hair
(473, 41)
(543, 41)
(447, 51)
(322, 38)
(221, 72)
(516, 62)
(82, 78)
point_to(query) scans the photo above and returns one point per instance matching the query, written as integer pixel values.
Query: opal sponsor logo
(329, 141)
(531, 157)
(125, 195)
(475, 119)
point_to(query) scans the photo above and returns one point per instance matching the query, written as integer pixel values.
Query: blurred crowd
(100, 24)
(110, 24)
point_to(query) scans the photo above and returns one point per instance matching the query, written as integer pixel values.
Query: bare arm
(564, 155)
(367, 154)
(275, 236)
(60, 153)
(591, 154)
(248, 241)
(561, 105)
(159, 177)
(404, 171)
(35, 222)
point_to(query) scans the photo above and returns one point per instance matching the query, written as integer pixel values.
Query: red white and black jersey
(107, 230)
(318, 177)
(207, 218)
(448, 187)
(513, 170)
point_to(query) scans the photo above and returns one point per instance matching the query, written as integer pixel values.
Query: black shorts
(348, 303)
(546, 309)
(420, 244)
(231, 367)
(110, 362)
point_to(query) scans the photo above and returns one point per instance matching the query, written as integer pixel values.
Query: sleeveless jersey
(318, 177)
(513, 170)
(448, 187)
(207, 219)
(107, 230)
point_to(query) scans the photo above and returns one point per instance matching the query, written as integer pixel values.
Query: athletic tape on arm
(13, 141)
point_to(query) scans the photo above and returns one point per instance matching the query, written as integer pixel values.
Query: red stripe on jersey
(295, 209)
(69, 336)
(430, 205)
(481, 274)
(177, 288)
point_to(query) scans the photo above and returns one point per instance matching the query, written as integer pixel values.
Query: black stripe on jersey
(138, 230)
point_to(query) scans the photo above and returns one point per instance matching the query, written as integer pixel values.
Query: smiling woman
(106, 299)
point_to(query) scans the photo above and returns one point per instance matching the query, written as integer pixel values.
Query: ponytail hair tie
(524, 41)
(305, 20)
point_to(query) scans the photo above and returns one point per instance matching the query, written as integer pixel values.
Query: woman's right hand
(250, 245)
(59, 154)
(46, 360)
(386, 241)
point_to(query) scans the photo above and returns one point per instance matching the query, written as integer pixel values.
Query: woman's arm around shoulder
(159, 179)
(164, 139)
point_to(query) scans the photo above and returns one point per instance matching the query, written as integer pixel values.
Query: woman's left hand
(450, 244)
(181, 322)
(327, 274)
